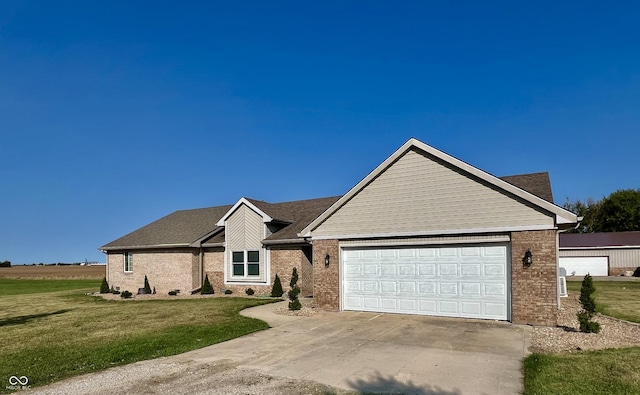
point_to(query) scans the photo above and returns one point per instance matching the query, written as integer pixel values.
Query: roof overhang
(265, 217)
(144, 247)
(563, 218)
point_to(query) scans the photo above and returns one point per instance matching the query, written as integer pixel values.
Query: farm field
(52, 329)
(51, 272)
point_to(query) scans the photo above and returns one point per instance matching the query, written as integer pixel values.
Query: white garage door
(580, 266)
(469, 281)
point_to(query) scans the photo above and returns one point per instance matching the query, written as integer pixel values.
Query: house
(423, 233)
(600, 254)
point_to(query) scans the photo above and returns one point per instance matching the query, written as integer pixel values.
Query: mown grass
(10, 286)
(612, 371)
(606, 372)
(53, 335)
(619, 299)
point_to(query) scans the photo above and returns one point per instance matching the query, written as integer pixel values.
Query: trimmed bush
(104, 287)
(173, 293)
(126, 294)
(294, 303)
(249, 291)
(206, 289)
(147, 287)
(588, 307)
(228, 292)
(276, 290)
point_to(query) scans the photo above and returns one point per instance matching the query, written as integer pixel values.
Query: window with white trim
(128, 262)
(245, 263)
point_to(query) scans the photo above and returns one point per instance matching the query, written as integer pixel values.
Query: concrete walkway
(380, 352)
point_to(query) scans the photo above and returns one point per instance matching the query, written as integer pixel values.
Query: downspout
(559, 300)
(201, 267)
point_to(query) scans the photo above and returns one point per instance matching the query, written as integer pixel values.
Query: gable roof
(562, 217)
(594, 240)
(537, 184)
(178, 229)
(190, 228)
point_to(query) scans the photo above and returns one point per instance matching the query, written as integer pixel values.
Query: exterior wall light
(528, 258)
(327, 259)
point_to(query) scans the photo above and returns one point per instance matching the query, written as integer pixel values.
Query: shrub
(126, 294)
(276, 291)
(294, 303)
(588, 307)
(206, 289)
(173, 293)
(147, 287)
(249, 291)
(228, 292)
(5, 264)
(104, 287)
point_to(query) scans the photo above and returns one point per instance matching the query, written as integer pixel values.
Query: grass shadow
(24, 319)
(389, 385)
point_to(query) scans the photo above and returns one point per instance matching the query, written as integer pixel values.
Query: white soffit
(265, 218)
(562, 216)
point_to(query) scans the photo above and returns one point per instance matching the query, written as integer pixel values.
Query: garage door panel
(465, 281)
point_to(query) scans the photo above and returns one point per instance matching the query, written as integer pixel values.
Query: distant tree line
(618, 212)
(5, 264)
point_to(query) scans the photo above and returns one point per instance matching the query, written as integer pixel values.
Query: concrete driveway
(380, 352)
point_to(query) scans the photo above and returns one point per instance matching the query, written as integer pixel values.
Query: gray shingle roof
(609, 239)
(180, 228)
(185, 227)
(537, 184)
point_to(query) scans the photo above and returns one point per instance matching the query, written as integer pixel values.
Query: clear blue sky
(116, 113)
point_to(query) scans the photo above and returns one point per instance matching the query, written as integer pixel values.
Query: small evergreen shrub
(206, 289)
(173, 293)
(276, 290)
(588, 307)
(104, 287)
(228, 292)
(294, 303)
(126, 294)
(147, 287)
(154, 290)
(249, 291)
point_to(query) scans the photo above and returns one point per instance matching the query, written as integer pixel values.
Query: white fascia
(562, 216)
(265, 218)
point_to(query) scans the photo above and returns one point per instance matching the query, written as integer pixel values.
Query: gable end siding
(419, 193)
(245, 231)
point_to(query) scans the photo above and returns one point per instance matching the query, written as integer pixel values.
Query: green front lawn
(612, 371)
(52, 335)
(620, 299)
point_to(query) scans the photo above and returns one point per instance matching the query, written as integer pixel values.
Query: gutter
(285, 241)
(142, 247)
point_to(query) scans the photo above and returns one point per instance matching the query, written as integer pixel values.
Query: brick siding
(326, 280)
(166, 270)
(534, 289)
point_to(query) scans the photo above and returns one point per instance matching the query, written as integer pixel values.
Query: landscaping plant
(126, 294)
(104, 288)
(588, 307)
(228, 292)
(207, 289)
(249, 291)
(147, 287)
(294, 303)
(276, 291)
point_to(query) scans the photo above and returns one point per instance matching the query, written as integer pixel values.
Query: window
(245, 263)
(238, 263)
(128, 262)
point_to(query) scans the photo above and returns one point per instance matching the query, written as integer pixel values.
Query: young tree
(276, 290)
(206, 289)
(588, 307)
(147, 287)
(104, 288)
(294, 303)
